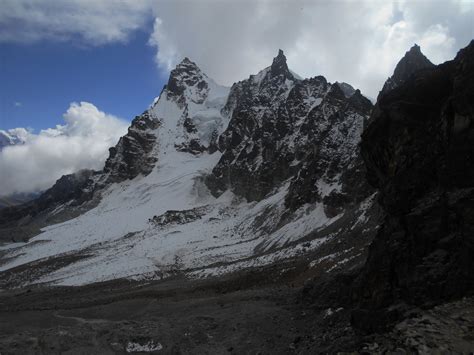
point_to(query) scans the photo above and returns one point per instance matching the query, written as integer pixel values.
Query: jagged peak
(186, 74)
(187, 63)
(279, 66)
(464, 51)
(185, 68)
(412, 61)
(415, 49)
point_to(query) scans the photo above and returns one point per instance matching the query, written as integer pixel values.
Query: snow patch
(133, 347)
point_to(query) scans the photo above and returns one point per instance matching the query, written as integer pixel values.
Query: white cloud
(92, 22)
(82, 142)
(17, 104)
(359, 42)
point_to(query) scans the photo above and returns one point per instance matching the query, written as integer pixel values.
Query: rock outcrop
(284, 128)
(419, 152)
(68, 187)
(200, 100)
(20, 222)
(133, 153)
(413, 61)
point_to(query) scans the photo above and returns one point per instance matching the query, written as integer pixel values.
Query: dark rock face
(21, 222)
(346, 88)
(412, 62)
(279, 66)
(132, 154)
(66, 188)
(179, 217)
(283, 128)
(419, 152)
(17, 199)
(185, 76)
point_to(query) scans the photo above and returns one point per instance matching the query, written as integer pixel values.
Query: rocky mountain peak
(279, 132)
(412, 61)
(187, 61)
(279, 66)
(421, 254)
(185, 77)
(186, 65)
(12, 137)
(415, 49)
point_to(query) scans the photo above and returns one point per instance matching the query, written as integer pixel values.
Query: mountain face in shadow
(419, 154)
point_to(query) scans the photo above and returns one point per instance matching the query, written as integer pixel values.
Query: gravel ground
(240, 314)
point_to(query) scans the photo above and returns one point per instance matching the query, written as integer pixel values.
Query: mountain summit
(279, 66)
(413, 61)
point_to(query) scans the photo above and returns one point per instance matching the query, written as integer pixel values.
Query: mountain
(208, 181)
(12, 137)
(419, 154)
(9, 138)
(413, 61)
(68, 197)
(281, 128)
(256, 217)
(346, 88)
(17, 199)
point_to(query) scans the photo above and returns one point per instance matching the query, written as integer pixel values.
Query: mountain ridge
(160, 171)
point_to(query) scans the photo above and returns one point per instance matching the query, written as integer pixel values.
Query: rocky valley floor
(245, 314)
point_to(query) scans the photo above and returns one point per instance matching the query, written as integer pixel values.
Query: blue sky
(39, 80)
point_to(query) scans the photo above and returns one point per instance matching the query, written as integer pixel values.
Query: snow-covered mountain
(12, 137)
(9, 138)
(209, 180)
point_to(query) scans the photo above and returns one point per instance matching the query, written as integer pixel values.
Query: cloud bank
(93, 22)
(358, 42)
(82, 142)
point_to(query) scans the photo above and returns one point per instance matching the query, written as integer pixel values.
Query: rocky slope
(23, 221)
(412, 62)
(17, 199)
(132, 154)
(212, 180)
(419, 152)
(283, 128)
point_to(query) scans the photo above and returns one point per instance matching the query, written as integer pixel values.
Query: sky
(38, 81)
(68, 66)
